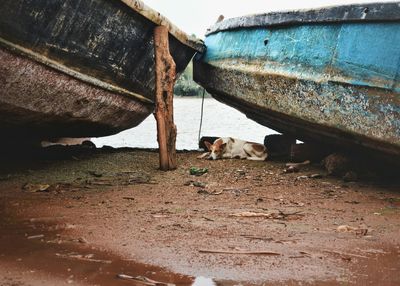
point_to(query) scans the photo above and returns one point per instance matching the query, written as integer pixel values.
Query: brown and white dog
(224, 148)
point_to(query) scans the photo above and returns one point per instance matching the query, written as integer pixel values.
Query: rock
(279, 145)
(350, 176)
(337, 164)
(66, 142)
(34, 188)
(315, 176)
(82, 240)
(291, 169)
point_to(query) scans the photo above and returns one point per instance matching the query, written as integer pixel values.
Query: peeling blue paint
(324, 81)
(365, 54)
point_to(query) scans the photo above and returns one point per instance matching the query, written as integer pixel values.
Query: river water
(218, 120)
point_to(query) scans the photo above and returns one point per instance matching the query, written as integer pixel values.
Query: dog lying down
(229, 148)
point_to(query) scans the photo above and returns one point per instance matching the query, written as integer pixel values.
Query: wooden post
(164, 113)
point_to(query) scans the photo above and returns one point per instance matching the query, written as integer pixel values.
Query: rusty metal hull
(333, 81)
(80, 68)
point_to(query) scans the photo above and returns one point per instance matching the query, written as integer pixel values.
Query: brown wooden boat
(80, 68)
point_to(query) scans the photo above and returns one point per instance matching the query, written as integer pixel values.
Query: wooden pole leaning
(165, 70)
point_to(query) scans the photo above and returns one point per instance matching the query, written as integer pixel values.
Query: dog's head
(216, 149)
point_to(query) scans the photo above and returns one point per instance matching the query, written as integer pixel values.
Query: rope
(201, 116)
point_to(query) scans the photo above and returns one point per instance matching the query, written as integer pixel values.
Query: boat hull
(80, 68)
(44, 103)
(332, 82)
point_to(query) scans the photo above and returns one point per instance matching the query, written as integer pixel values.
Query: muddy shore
(82, 217)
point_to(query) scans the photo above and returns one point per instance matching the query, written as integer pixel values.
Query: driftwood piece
(219, 251)
(165, 79)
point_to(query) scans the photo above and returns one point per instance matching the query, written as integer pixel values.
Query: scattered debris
(254, 214)
(295, 167)
(216, 193)
(88, 258)
(257, 237)
(303, 254)
(298, 165)
(270, 239)
(34, 188)
(195, 184)
(302, 177)
(213, 193)
(358, 230)
(203, 192)
(198, 171)
(100, 183)
(345, 228)
(312, 176)
(82, 240)
(160, 216)
(315, 176)
(239, 251)
(46, 219)
(144, 280)
(269, 215)
(236, 191)
(291, 169)
(344, 254)
(129, 198)
(35, 236)
(352, 202)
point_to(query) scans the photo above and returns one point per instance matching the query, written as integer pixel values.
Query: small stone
(315, 176)
(350, 176)
(291, 169)
(82, 240)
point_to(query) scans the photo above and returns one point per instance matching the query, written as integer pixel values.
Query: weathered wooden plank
(165, 79)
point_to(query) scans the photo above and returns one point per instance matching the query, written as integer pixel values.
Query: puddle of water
(32, 246)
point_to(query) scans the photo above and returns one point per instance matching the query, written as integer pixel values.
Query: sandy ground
(108, 212)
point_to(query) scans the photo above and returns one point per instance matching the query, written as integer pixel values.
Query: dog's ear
(223, 146)
(208, 145)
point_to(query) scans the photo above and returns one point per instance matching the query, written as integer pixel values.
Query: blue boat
(328, 75)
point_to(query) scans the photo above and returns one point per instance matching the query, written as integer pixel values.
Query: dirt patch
(106, 212)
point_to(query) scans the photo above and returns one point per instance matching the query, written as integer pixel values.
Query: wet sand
(108, 212)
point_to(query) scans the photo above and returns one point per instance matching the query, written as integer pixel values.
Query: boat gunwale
(21, 51)
(158, 19)
(367, 12)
